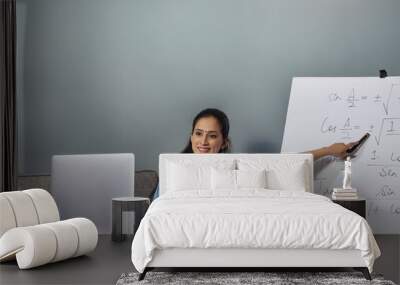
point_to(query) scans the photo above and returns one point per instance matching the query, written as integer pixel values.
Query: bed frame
(242, 258)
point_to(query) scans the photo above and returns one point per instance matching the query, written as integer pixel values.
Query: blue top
(157, 193)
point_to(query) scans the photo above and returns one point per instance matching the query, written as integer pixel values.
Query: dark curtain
(8, 173)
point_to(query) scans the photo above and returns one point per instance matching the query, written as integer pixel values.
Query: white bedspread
(250, 218)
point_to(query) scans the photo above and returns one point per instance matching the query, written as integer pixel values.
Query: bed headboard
(207, 158)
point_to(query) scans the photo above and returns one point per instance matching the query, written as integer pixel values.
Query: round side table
(138, 205)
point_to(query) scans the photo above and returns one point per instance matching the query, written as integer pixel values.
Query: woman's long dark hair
(223, 121)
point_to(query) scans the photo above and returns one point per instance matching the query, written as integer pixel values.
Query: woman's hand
(337, 149)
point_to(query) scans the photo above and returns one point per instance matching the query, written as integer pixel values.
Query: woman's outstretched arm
(336, 149)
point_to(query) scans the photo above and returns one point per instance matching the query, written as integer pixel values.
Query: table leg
(117, 222)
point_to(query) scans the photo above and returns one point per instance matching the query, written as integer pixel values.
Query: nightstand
(358, 206)
(138, 205)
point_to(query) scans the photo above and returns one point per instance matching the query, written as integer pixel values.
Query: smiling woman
(210, 134)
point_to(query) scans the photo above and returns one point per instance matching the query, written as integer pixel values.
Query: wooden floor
(110, 260)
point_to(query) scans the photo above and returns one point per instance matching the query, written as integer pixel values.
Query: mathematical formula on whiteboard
(326, 110)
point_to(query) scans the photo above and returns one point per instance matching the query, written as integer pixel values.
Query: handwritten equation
(387, 127)
(354, 100)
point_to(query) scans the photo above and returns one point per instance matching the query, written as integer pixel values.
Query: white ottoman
(31, 232)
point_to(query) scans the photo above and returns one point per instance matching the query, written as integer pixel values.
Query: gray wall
(101, 76)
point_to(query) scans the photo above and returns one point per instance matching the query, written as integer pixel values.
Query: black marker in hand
(351, 151)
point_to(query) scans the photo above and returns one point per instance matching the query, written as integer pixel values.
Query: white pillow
(223, 179)
(236, 179)
(281, 174)
(188, 175)
(181, 177)
(288, 177)
(251, 178)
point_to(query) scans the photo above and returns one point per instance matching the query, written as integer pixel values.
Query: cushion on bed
(187, 175)
(223, 179)
(281, 174)
(237, 179)
(251, 178)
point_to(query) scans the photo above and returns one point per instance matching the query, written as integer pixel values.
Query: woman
(210, 134)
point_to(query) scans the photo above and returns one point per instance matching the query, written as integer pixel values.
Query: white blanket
(251, 218)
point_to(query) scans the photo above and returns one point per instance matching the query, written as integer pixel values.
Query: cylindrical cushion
(67, 240)
(33, 246)
(45, 205)
(41, 244)
(23, 208)
(87, 233)
(7, 218)
(26, 208)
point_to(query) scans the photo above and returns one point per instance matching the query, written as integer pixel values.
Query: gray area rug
(273, 278)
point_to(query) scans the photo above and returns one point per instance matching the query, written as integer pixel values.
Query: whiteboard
(326, 110)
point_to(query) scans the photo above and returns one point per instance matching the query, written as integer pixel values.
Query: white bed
(247, 210)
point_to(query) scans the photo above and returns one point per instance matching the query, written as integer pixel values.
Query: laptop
(83, 185)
